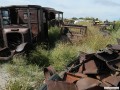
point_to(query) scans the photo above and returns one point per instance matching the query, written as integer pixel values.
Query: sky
(102, 9)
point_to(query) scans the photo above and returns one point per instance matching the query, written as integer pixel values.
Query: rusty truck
(23, 24)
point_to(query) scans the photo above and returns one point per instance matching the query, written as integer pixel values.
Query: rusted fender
(5, 58)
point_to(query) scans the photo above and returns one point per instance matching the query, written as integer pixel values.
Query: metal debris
(90, 72)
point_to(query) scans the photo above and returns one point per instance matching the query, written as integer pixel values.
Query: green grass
(26, 73)
(61, 55)
(23, 76)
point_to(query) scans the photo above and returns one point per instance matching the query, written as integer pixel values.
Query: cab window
(5, 16)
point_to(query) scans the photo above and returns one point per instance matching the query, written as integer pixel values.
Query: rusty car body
(23, 24)
(93, 71)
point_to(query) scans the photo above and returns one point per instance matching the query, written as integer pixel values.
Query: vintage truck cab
(21, 24)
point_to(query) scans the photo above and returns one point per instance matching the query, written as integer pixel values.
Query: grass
(61, 55)
(23, 76)
(26, 73)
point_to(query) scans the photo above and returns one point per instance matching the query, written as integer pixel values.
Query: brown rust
(60, 85)
(87, 83)
(89, 68)
(71, 78)
(112, 80)
(48, 72)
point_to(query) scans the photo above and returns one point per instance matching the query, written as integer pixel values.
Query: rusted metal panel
(23, 17)
(33, 15)
(34, 28)
(87, 83)
(48, 72)
(60, 85)
(112, 80)
(89, 68)
(71, 78)
(73, 33)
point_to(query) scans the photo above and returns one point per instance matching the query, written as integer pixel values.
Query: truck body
(24, 24)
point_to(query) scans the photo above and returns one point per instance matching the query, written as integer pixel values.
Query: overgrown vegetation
(54, 35)
(26, 72)
(23, 76)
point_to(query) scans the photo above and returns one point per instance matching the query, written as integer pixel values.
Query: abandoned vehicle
(24, 24)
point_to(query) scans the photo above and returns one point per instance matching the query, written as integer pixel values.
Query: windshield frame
(6, 16)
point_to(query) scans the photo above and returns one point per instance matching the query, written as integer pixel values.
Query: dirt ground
(4, 77)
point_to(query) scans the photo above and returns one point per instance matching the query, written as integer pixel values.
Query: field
(25, 73)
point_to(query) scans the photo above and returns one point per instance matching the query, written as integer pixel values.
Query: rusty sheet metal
(112, 60)
(60, 85)
(111, 80)
(54, 77)
(48, 72)
(89, 68)
(87, 83)
(71, 78)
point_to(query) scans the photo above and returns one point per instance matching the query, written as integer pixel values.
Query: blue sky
(103, 9)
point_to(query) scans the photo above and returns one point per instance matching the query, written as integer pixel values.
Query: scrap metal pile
(88, 72)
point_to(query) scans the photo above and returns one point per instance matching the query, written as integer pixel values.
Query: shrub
(61, 55)
(54, 34)
(39, 57)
